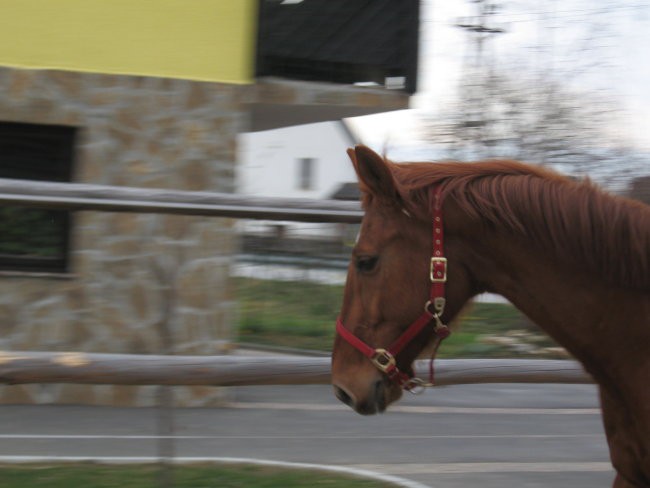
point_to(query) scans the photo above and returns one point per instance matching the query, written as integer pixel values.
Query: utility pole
(475, 125)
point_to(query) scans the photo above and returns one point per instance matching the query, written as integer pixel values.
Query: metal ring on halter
(439, 305)
(416, 386)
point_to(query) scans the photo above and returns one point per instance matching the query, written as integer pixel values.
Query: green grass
(195, 476)
(288, 313)
(302, 315)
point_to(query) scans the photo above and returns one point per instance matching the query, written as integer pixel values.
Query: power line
(572, 14)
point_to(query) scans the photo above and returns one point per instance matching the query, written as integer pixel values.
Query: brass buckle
(432, 277)
(383, 360)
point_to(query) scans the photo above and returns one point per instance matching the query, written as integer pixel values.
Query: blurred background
(261, 98)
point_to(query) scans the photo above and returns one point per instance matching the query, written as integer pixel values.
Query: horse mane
(575, 220)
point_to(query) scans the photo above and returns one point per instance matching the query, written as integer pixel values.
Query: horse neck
(590, 319)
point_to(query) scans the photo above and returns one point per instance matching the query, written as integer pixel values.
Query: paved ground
(491, 436)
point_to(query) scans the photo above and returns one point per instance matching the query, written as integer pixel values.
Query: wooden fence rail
(77, 196)
(18, 367)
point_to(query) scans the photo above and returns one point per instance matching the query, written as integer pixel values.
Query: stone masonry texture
(138, 283)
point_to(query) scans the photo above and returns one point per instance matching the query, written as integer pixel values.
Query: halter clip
(416, 386)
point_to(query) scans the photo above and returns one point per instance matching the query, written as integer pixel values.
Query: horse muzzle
(378, 396)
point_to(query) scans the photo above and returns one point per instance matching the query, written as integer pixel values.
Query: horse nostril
(342, 395)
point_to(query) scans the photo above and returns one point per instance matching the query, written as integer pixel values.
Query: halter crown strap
(384, 359)
(438, 266)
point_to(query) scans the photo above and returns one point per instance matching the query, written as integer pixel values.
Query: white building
(304, 161)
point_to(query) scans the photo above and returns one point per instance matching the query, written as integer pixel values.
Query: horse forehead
(381, 225)
(376, 226)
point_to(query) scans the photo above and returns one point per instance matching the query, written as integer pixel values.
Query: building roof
(347, 191)
(640, 189)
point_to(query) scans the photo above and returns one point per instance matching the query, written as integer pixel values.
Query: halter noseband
(385, 359)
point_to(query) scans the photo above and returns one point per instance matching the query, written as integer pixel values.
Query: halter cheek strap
(384, 359)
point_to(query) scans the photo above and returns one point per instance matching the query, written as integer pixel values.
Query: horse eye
(366, 264)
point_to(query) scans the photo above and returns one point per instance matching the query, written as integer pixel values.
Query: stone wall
(139, 283)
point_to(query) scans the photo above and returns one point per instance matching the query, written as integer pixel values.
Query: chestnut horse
(572, 258)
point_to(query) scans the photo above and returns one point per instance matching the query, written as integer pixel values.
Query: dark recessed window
(306, 173)
(34, 239)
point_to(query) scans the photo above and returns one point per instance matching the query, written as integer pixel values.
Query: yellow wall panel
(197, 39)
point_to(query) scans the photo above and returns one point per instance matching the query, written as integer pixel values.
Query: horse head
(388, 287)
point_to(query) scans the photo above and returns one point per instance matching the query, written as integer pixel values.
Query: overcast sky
(605, 42)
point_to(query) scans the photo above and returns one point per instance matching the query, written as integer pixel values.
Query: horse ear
(375, 176)
(353, 157)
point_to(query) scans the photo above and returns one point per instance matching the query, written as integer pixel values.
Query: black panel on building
(341, 41)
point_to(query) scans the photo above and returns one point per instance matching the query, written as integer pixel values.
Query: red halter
(384, 359)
